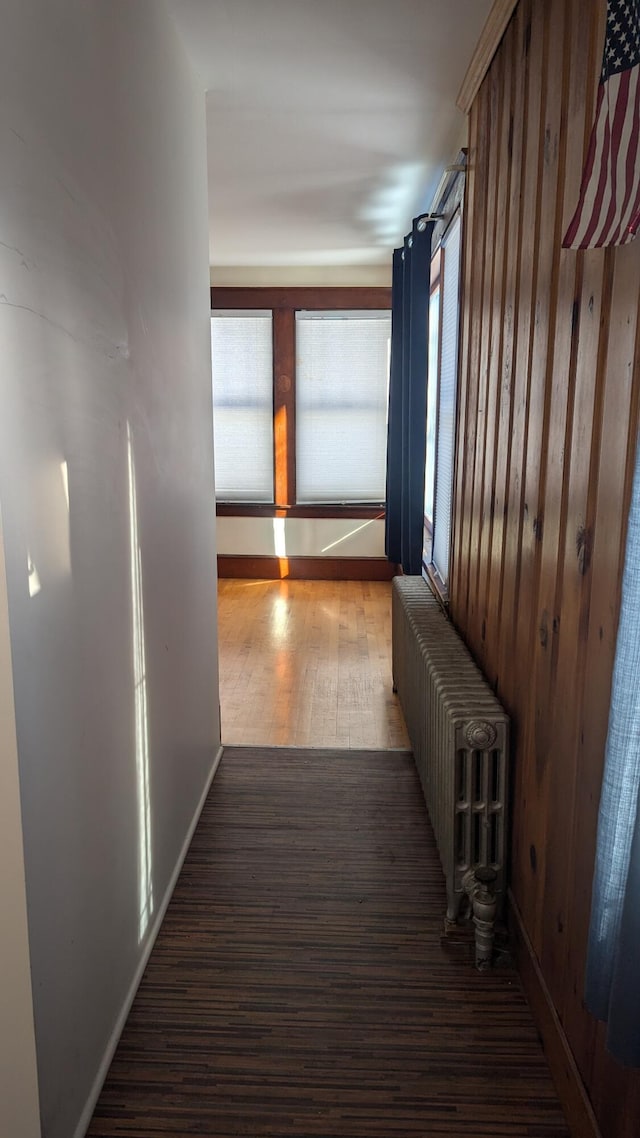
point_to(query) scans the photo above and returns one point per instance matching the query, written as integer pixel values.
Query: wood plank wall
(548, 417)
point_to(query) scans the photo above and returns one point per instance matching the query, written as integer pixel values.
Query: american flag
(608, 211)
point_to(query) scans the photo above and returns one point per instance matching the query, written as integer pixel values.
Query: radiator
(459, 735)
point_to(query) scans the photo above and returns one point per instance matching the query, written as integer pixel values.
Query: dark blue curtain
(408, 398)
(613, 967)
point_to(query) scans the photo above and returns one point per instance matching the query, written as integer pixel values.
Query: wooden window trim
(284, 407)
(305, 299)
(284, 303)
(366, 511)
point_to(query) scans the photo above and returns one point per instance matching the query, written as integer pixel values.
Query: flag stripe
(608, 210)
(590, 180)
(632, 171)
(590, 222)
(620, 126)
(601, 165)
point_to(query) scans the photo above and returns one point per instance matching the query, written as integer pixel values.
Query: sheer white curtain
(613, 965)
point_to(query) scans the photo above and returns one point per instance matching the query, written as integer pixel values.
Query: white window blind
(445, 447)
(432, 403)
(242, 364)
(342, 383)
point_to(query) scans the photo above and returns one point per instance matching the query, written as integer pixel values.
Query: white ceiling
(329, 121)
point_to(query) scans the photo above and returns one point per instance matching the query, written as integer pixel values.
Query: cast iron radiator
(460, 736)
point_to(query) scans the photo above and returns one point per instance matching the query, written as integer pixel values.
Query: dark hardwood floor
(300, 985)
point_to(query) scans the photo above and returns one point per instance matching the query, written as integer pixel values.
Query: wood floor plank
(307, 663)
(300, 985)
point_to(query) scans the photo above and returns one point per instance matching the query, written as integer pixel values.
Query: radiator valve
(478, 884)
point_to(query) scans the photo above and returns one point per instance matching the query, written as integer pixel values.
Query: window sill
(324, 510)
(438, 586)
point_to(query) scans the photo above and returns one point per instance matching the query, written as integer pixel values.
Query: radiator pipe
(478, 884)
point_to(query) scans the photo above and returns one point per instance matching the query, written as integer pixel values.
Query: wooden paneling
(549, 389)
(576, 1102)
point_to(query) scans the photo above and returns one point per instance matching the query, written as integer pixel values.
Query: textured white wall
(106, 483)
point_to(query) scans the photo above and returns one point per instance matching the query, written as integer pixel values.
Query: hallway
(307, 664)
(300, 985)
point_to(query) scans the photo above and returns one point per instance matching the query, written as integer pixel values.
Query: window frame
(284, 303)
(435, 285)
(438, 271)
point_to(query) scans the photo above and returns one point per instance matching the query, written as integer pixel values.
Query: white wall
(19, 1114)
(104, 386)
(285, 276)
(301, 537)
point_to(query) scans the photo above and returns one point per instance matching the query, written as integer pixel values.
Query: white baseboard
(94, 1094)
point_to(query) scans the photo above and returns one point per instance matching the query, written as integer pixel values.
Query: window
(441, 403)
(342, 392)
(432, 404)
(241, 352)
(300, 393)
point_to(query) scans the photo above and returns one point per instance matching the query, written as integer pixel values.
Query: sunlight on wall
(62, 516)
(145, 881)
(347, 536)
(64, 473)
(280, 546)
(32, 577)
(279, 540)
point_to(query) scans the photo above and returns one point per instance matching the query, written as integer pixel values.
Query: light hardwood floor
(307, 664)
